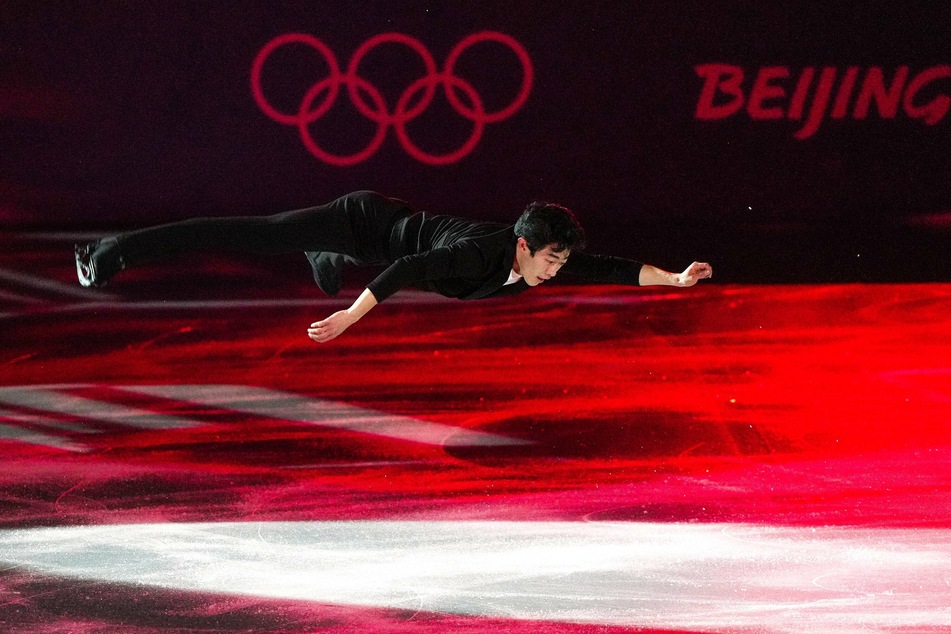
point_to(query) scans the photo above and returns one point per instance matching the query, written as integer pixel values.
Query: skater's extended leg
(323, 228)
(354, 227)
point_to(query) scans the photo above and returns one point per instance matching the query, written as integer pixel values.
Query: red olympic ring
(322, 95)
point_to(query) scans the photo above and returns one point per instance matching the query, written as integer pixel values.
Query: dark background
(120, 114)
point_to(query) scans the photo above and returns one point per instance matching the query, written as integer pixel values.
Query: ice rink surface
(179, 457)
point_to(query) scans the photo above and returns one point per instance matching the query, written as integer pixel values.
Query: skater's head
(547, 234)
(549, 225)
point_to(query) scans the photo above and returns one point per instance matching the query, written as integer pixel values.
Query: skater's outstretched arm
(333, 326)
(608, 269)
(653, 276)
(436, 264)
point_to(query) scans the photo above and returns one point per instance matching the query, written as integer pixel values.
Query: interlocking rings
(322, 95)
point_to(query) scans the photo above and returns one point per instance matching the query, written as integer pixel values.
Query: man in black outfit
(451, 256)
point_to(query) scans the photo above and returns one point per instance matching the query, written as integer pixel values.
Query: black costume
(451, 256)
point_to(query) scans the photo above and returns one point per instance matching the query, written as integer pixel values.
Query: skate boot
(327, 270)
(97, 262)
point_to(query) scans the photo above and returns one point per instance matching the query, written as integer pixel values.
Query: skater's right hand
(330, 328)
(333, 326)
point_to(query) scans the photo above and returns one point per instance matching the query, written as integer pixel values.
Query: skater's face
(537, 267)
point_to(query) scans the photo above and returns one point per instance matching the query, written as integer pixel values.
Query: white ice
(714, 577)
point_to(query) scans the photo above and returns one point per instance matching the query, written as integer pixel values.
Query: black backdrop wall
(781, 141)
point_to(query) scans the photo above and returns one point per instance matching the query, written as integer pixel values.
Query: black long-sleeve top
(465, 259)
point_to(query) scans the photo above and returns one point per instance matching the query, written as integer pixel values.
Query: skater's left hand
(694, 273)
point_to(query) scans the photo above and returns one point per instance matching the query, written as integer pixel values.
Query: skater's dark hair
(543, 224)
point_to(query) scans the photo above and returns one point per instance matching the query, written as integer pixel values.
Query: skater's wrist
(361, 306)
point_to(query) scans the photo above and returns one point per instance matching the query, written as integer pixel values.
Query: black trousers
(358, 225)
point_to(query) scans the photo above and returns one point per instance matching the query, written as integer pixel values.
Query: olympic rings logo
(322, 95)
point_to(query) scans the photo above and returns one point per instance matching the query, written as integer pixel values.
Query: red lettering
(799, 96)
(840, 108)
(722, 94)
(933, 111)
(823, 92)
(726, 79)
(886, 99)
(763, 90)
